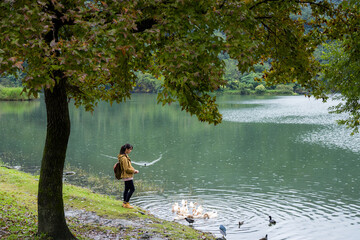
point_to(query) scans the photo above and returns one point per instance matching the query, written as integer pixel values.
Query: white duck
(198, 211)
(183, 210)
(175, 207)
(209, 215)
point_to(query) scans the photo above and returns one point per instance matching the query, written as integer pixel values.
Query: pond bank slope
(89, 215)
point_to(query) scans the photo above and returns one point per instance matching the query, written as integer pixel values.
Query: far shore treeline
(237, 83)
(247, 83)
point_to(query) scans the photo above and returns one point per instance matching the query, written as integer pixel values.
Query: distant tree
(285, 89)
(89, 51)
(146, 83)
(260, 89)
(231, 70)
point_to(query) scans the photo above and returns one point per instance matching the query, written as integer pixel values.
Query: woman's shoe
(127, 205)
(124, 204)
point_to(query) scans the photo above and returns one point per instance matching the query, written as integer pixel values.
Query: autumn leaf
(19, 65)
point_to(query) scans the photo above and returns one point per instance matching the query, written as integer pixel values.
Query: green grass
(13, 94)
(18, 204)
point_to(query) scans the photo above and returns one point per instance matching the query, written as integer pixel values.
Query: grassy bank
(18, 191)
(13, 94)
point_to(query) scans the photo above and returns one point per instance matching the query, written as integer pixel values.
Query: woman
(127, 173)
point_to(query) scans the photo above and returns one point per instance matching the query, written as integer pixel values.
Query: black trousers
(129, 190)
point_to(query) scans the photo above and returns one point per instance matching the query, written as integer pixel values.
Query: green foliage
(13, 93)
(260, 89)
(285, 89)
(341, 74)
(10, 81)
(146, 83)
(340, 62)
(243, 82)
(231, 71)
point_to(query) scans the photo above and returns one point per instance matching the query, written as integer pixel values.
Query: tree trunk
(50, 200)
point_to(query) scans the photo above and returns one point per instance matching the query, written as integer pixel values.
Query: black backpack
(117, 171)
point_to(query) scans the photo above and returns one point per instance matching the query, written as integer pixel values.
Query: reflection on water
(282, 156)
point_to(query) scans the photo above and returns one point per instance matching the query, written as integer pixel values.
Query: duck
(183, 202)
(264, 238)
(183, 210)
(175, 207)
(212, 214)
(222, 230)
(271, 221)
(189, 220)
(198, 211)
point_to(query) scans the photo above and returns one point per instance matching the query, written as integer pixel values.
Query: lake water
(279, 156)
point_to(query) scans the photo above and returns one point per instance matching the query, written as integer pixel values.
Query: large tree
(89, 51)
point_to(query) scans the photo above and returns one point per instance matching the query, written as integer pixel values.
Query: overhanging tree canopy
(341, 66)
(98, 45)
(89, 51)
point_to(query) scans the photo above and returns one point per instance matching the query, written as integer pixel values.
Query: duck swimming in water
(271, 221)
(198, 211)
(264, 238)
(183, 210)
(209, 215)
(184, 202)
(175, 207)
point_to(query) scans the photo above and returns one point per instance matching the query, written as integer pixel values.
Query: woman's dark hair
(124, 147)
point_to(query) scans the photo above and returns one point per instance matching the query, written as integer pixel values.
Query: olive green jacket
(127, 170)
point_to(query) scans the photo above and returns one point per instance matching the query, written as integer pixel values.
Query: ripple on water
(283, 110)
(298, 215)
(298, 110)
(333, 137)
